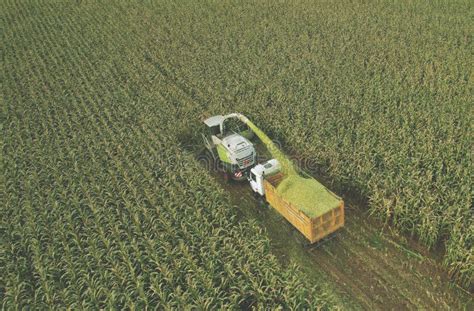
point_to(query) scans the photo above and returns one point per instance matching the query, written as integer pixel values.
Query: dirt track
(366, 264)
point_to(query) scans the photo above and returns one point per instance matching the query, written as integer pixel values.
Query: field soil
(367, 264)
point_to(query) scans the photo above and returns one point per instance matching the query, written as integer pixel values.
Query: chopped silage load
(306, 194)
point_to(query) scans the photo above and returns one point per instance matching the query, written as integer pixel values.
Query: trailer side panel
(313, 229)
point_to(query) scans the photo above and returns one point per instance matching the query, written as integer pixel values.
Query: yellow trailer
(314, 227)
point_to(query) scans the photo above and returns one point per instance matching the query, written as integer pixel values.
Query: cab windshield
(253, 177)
(233, 125)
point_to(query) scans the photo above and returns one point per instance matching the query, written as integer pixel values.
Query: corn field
(103, 207)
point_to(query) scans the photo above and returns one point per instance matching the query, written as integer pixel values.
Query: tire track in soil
(382, 264)
(366, 272)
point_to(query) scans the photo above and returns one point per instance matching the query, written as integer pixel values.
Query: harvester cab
(228, 139)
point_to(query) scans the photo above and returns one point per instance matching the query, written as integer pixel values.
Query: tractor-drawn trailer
(314, 227)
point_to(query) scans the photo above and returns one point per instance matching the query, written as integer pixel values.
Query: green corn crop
(104, 207)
